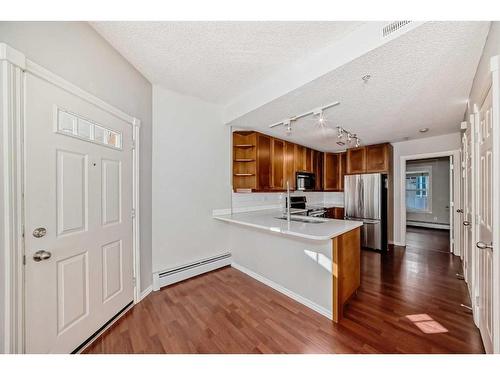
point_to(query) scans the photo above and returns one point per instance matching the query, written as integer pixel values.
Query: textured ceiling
(216, 61)
(421, 79)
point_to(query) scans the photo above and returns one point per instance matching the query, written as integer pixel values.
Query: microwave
(305, 181)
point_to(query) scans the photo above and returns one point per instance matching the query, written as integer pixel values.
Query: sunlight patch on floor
(426, 324)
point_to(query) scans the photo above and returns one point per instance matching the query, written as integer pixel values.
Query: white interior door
(485, 223)
(78, 192)
(466, 214)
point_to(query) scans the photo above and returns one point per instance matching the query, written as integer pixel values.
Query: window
(71, 124)
(418, 191)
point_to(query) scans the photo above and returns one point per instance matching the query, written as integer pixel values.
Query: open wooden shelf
(244, 174)
(244, 146)
(244, 160)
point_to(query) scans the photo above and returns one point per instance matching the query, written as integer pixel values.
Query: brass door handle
(483, 246)
(41, 255)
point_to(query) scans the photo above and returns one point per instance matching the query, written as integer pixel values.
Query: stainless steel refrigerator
(365, 199)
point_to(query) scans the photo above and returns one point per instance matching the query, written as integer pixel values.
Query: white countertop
(325, 229)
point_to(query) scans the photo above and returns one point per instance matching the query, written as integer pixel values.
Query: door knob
(482, 245)
(41, 255)
(460, 211)
(466, 223)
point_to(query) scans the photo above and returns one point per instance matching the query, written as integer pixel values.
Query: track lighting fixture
(349, 137)
(316, 112)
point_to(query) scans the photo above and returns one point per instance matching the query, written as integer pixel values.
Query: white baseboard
(189, 270)
(397, 243)
(302, 300)
(427, 225)
(145, 293)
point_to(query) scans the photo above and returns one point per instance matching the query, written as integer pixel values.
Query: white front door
(78, 225)
(485, 223)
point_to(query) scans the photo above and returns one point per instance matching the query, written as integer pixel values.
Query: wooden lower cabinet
(335, 213)
(346, 259)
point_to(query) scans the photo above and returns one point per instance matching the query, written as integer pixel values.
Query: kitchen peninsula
(315, 261)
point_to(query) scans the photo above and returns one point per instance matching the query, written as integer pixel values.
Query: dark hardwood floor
(429, 239)
(403, 294)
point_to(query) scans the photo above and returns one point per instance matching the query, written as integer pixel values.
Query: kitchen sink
(304, 219)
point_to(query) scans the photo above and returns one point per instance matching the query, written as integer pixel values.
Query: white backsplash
(256, 201)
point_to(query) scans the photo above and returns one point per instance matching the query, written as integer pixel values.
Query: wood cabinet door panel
(263, 162)
(289, 164)
(278, 163)
(356, 160)
(377, 158)
(300, 158)
(331, 180)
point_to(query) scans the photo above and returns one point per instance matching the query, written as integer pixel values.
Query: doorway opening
(429, 202)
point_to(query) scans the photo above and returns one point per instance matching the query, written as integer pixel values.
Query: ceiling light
(424, 130)
(288, 126)
(316, 111)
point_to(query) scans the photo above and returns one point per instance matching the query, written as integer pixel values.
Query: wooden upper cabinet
(263, 162)
(356, 160)
(369, 159)
(277, 164)
(289, 165)
(377, 158)
(331, 172)
(309, 160)
(318, 169)
(342, 169)
(300, 158)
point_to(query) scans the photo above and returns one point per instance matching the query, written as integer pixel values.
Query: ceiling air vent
(393, 27)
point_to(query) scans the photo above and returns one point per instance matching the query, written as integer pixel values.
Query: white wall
(191, 175)
(482, 79)
(440, 143)
(74, 51)
(440, 190)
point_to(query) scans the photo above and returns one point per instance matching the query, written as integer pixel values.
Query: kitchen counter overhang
(317, 264)
(324, 229)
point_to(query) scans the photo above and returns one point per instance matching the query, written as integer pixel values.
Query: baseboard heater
(174, 275)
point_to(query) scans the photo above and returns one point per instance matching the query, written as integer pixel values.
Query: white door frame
(13, 65)
(456, 188)
(495, 72)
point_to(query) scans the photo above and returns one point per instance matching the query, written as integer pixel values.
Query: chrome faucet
(288, 204)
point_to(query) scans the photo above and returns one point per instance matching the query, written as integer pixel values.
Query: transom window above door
(418, 191)
(76, 126)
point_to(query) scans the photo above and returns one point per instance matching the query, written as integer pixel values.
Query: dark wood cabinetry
(333, 171)
(377, 158)
(335, 213)
(264, 163)
(289, 165)
(278, 164)
(300, 158)
(356, 160)
(369, 159)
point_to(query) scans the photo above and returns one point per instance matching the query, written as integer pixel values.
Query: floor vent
(393, 27)
(174, 275)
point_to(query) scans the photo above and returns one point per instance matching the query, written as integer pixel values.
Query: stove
(300, 203)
